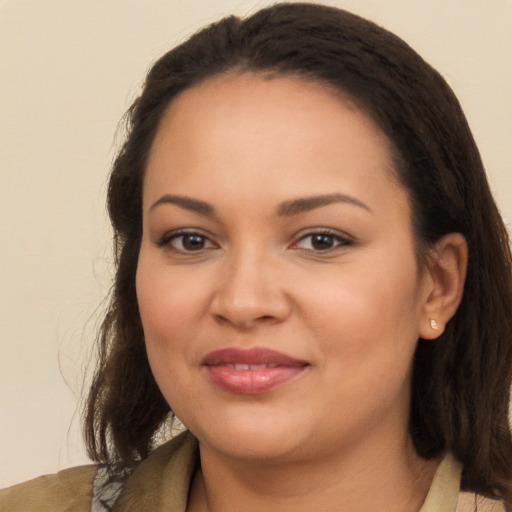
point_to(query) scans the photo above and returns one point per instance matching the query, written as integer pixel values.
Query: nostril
(222, 319)
(247, 322)
(249, 307)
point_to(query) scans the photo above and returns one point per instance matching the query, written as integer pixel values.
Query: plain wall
(69, 70)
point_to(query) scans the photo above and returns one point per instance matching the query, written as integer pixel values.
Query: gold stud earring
(434, 325)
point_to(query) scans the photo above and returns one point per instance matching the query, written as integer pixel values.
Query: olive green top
(161, 484)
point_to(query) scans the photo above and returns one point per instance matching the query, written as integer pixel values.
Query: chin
(252, 440)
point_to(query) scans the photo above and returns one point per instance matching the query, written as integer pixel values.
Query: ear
(444, 282)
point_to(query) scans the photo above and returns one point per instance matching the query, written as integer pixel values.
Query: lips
(251, 371)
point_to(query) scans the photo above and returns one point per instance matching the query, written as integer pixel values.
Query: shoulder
(445, 495)
(162, 481)
(469, 502)
(69, 490)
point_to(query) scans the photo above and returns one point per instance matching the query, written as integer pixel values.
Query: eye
(185, 241)
(322, 241)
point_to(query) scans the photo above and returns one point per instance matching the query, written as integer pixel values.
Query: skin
(335, 437)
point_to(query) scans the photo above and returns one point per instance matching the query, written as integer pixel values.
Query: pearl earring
(434, 325)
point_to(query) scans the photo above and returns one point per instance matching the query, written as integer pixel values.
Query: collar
(161, 482)
(444, 491)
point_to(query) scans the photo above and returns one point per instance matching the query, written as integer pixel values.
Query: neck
(390, 478)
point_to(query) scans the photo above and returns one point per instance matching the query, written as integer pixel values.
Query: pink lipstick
(251, 371)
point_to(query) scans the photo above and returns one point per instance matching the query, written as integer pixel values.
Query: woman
(311, 274)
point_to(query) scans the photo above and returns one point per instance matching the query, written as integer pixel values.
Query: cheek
(368, 317)
(166, 312)
(169, 301)
(370, 299)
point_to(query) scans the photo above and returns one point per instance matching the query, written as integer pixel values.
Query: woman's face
(277, 280)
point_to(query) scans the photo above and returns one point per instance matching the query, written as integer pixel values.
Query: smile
(251, 371)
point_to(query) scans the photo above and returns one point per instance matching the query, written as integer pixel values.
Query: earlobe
(447, 271)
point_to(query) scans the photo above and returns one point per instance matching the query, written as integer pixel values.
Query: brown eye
(322, 241)
(186, 242)
(192, 242)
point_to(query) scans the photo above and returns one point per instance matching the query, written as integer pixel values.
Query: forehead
(235, 93)
(252, 133)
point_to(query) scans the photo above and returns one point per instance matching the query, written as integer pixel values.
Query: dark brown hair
(461, 381)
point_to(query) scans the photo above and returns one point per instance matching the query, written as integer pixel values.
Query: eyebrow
(194, 205)
(284, 209)
(305, 204)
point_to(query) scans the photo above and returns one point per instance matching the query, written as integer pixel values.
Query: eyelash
(334, 237)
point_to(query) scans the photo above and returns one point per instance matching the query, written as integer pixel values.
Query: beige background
(69, 70)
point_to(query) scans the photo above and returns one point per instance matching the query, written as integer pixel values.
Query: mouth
(251, 371)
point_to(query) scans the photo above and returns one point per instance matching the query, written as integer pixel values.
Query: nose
(250, 292)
